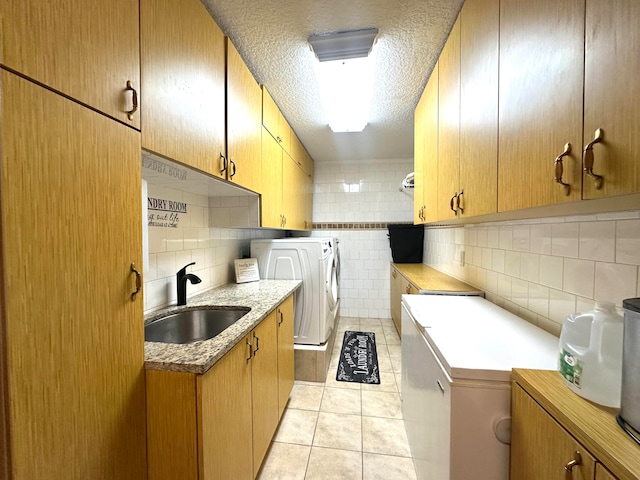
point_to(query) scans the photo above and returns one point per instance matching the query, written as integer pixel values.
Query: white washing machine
(311, 260)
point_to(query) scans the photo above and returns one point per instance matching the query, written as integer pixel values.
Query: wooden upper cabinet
(430, 148)
(183, 77)
(74, 348)
(540, 98)
(88, 51)
(418, 158)
(293, 194)
(479, 44)
(244, 119)
(425, 164)
(271, 193)
(603, 474)
(449, 125)
(270, 114)
(612, 96)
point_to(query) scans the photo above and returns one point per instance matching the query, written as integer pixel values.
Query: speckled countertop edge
(262, 297)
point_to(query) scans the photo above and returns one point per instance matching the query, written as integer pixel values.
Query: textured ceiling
(271, 36)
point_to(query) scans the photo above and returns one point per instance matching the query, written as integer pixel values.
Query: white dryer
(311, 260)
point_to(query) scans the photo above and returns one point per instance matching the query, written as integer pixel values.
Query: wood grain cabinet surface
(425, 194)
(550, 424)
(88, 51)
(183, 84)
(271, 193)
(244, 123)
(541, 82)
(219, 425)
(72, 334)
(612, 96)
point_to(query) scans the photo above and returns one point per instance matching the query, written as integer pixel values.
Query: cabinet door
(541, 80)
(479, 35)
(308, 201)
(264, 387)
(285, 353)
(183, 83)
(244, 131)
(396, 298)
(540, 448)
(224, 417)
(293, 194)
(75, 342)
(419, 134)
(449, 125)
(603, 474)
(270, 115)
(86, 50)
(271, 193)
(612, 96)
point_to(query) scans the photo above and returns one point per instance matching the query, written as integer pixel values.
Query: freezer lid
(477, 340)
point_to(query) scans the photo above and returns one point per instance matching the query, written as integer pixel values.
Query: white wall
(544, 269)
(192, 239)
(354, 202)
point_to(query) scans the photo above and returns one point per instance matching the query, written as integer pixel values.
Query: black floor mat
(358, 358)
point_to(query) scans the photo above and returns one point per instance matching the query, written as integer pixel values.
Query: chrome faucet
(181, 280)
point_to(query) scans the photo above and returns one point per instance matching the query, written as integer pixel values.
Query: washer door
(331, 284)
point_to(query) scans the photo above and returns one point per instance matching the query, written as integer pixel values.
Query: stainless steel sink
(191, 326)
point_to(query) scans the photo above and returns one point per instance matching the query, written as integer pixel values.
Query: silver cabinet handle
(134, 108)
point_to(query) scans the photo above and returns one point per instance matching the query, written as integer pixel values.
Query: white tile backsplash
(545, 269)
(360, 193)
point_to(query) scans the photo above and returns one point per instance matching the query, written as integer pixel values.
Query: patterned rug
(358, 358)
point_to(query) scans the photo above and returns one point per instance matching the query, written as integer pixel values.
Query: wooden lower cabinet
(264, 387)
(399, 286)
(550, 423)
(219, 425)
(285, 314)
(540, 447)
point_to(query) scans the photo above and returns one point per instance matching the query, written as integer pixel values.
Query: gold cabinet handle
(459, 202)
(393, 274)
(588, 160)
(224, 163)
(559, 168)
(577, 460)
(281, 317)
(138, 281)
(135, 100)
(408, 290)
(233, 164)
(453, 209)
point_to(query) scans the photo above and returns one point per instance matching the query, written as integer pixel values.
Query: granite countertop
(262, 297)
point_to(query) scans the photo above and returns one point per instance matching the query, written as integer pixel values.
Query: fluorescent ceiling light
(345, 76)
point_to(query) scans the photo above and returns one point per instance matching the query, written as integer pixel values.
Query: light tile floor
(341, 430)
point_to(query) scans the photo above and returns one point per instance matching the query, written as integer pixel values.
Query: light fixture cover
(343, 45)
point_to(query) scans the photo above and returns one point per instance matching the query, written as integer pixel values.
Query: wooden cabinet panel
(183, 83)
(612, 95)
(225, 422)
(479, 43)
(74, 337)
(449, 125)
(244, 130)
(541, 85)
(603, 474)
(294, 183)
(540, 448)
(426, 152)
(271, 194)
(270, 114)
(285, 353)
(86, 50)
(397, 281)
(264, 387)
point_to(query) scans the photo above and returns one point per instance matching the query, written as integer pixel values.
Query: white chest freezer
(457, 356)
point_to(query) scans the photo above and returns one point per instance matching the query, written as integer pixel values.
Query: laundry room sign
(164, 213)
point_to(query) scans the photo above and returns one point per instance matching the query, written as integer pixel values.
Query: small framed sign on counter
(247, 270)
